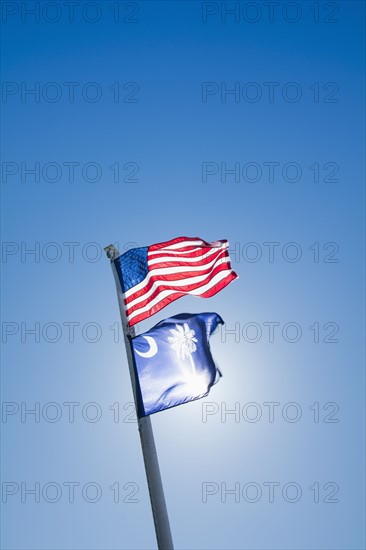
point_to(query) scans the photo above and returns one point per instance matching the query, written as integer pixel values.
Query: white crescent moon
(153, 348)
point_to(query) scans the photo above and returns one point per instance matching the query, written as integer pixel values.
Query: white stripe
(179, 269)
(164, 293)
(182, 260)
(174, 252)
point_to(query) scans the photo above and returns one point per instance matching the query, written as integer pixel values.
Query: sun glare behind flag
(152, 277)
(173, 361)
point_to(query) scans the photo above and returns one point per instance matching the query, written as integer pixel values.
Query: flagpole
(157, 499)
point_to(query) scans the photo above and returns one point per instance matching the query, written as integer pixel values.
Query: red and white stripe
(178, 267)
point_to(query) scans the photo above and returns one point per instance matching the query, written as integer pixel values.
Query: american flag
(154, 276)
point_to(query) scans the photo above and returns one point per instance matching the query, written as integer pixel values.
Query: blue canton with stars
(132, 267)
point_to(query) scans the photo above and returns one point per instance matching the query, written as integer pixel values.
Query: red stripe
(167, 244)
(169, 299)
(183, 289)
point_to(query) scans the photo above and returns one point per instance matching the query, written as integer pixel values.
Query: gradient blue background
(169, 132)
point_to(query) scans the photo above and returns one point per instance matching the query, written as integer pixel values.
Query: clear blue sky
(131, 131)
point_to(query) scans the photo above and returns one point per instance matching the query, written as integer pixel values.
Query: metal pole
(157, 499)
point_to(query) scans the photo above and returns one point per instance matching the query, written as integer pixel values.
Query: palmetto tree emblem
(183, 342)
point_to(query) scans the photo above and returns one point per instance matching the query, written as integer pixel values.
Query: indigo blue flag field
(238, 124)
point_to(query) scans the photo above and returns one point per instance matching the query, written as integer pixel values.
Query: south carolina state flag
(153, 276)
(173, 361)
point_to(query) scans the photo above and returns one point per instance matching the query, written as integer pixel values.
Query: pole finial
(112, 252)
